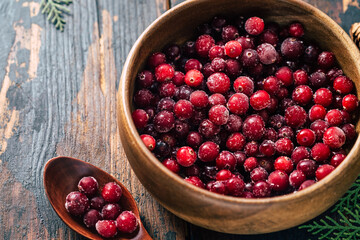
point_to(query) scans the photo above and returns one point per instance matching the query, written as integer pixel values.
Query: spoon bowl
(61, 176)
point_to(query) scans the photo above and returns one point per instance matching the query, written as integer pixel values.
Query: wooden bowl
(203, 208)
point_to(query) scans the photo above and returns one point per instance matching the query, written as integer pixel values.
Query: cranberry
(317, 112)
(267, 53)
(166, 104)
(334, 137)
(305, 137)
(218, 187)
(91, 218)
(193, 170)
(127, 222)
(278, 180)
(218, 83)
(246, 194)
(162, 149)
(300, 77)
(334, 117)
(189, 48)
(233, 49)
(183, 109)
(164, 121)
(251, 149)
(270, 134)
(323, 171)
(88, 186)
(267, 164)
(111, 211)
(167, 89)
(326, 60)
(349, 131)
(203, 45)
(273, 106)
(246, 42)
(223, 174)
(216, 99)
(229, 33)
(319, 127)
(337, 159)
(208, 129)
(240, 157)
(97, 203)
(169, 138)
(346, 116)
(258, 174)
(178, 78)
(235, 186)
(269, 36)
(219, 114)
(216, 51)
(208, 151)
(234, 123)
(295, 116)
(238, 104)
(261, 189)
(193, 78)
(245, 85)
(343, 85)
(311, 54)
(296, 30)
(77, 203)
(320, 152)
(218, 64)
(254, 25)
(271, 85)
(285, 76)
(296, 178)
(260, 100)
(233, 68)
(106, 228)
(194, 139)
(149, 141)
(318, 79)
(140, 118)
(306, 184)
(145, 79)
(156, 59)
(250, 164)
(300, 153)
(186, 156)
(164, 72)
(235, 142)
(171, 164)
(283, 163)
(302, 95)
(334, 73)
(292, 48)
(172, 52)
(350, 102)
(226, 160)
(111, 192)
(267, 148)
(308, 167)
(253, 127)
(249, 58)
(286, 132)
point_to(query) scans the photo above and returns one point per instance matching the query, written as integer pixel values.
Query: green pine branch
(55, 9)
(350, 199)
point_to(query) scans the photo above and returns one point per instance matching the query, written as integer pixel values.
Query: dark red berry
(183, 109)
(234, 123)
(286, 132)
(250, 58)
(164, 121)
(218, 83)
(97, 203)
(156, 59)
(253, 127)
(193, 78)
(203, 45)
(337, 159)
(323, 171)
(305, 137)
(295, 116)
(271, 85)
(296, 30)
(350, 102)
(349, 131)
(235, 142)
(226, 160)
(127, 222)
(296, 178)
(343, 85)
(149, 141)
(334, 137)
(91, 218)
(261, 189)
(145, 79)
(219, 114)
(250, 164)
(318, 79)
(208, 129)
(300, 153)
(110, 211)
(320, 152)
(302, 95)
(88, 186)
(260, 100)
(267, 53)
(300, 77)
(319, 127)
(218, 187)
(267, 148)
(233, 49)
(306, 184)
(258, 174)
(278, 180)
(218, 64)
(254, 25)
(235, 186)
(111, 192)
(186, 156)
(172, 165)
(245, 85)
(106, 228)
(192, 64)
(164, 72)
(196, 181)
(334, 117)
(251, 149)
(283, 163)
(317, 112)
(77, 203)
(140, 118)
(326, 60)
(308, 167)
(238, 104)
(292, 48)
(178, 78)
(216, 51)
(285, 76)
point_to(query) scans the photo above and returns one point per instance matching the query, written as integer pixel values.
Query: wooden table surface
(57, 97)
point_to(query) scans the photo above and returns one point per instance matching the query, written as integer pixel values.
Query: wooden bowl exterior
(210, 210)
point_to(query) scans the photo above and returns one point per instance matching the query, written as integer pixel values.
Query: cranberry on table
(111, 192)
(186, 156)
(77, 203)
(106, 228)
(88, 185)
(323, 171)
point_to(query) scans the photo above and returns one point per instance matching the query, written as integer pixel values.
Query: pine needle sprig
(350, 199)
(55, 9)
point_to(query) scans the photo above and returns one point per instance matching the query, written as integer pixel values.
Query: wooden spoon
(61, 176)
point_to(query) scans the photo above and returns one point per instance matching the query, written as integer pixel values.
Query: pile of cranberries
(246, 109)
(101, 212)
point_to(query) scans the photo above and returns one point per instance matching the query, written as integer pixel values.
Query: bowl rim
(123, 99)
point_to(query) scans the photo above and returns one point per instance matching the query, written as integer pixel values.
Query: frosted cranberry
(245, 85)
(218, 83)
(208, 129)
(260, 100)
(254, 25)
(193, 78)
(278, 180)
(300, 77)
(302, 95)
(167, 89)
(196, 181)
(261, 189)
(77, 203)
(246, 42)
(88, 186)
(253, 127)
(238, 104)
(320, 152)
(192, 64)
(249, 58)
(240, 158)
(305, 137)
(267, 148)
(250, 164)
(110, 211)
(349, 131)
(91, 218)
(292, 48)
(164, 121)
(308, 167)
(269, 36)
(226, 160)
(171, 164)
(183, 109)
(235, 186)
(234, 123)
(285, 103)
(267, 53)
(208, 151)
(164, 72)
(186, 156)
(203, 45)
(284, 146)
(219, 114)
(209, 173)
(229, 33)
(276, 121)
(143, 98)
(106, 228)
(306, 184)
(334, 137)
(337, 159)
(296, 178)
(296, 30)
(145, 79)
(216, 51)
(156, 59)
(334, 73)
(233, 49)
(311, 54)
(199, 99)
(97, 203)
(165, 104)
(343, 85)
(194, 139)
(285, 76)
(258, 174)
(251, 149)
(178, 78)
(218, 187)
(223, 174)
(317, 112)
(286, 132)
(216, 99)
(300, 153)
(235, 142)
(208, 70)
(326, 60)
(218, 64)
(323, 170)
(140, 118)
(271, 134)
(295, 116)
(127, 222)
(350, 102)
(233, 68)
(318, 79)
(218, 23)
(283, 163)
(334, 117)
(319, 127)
(111, 192)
